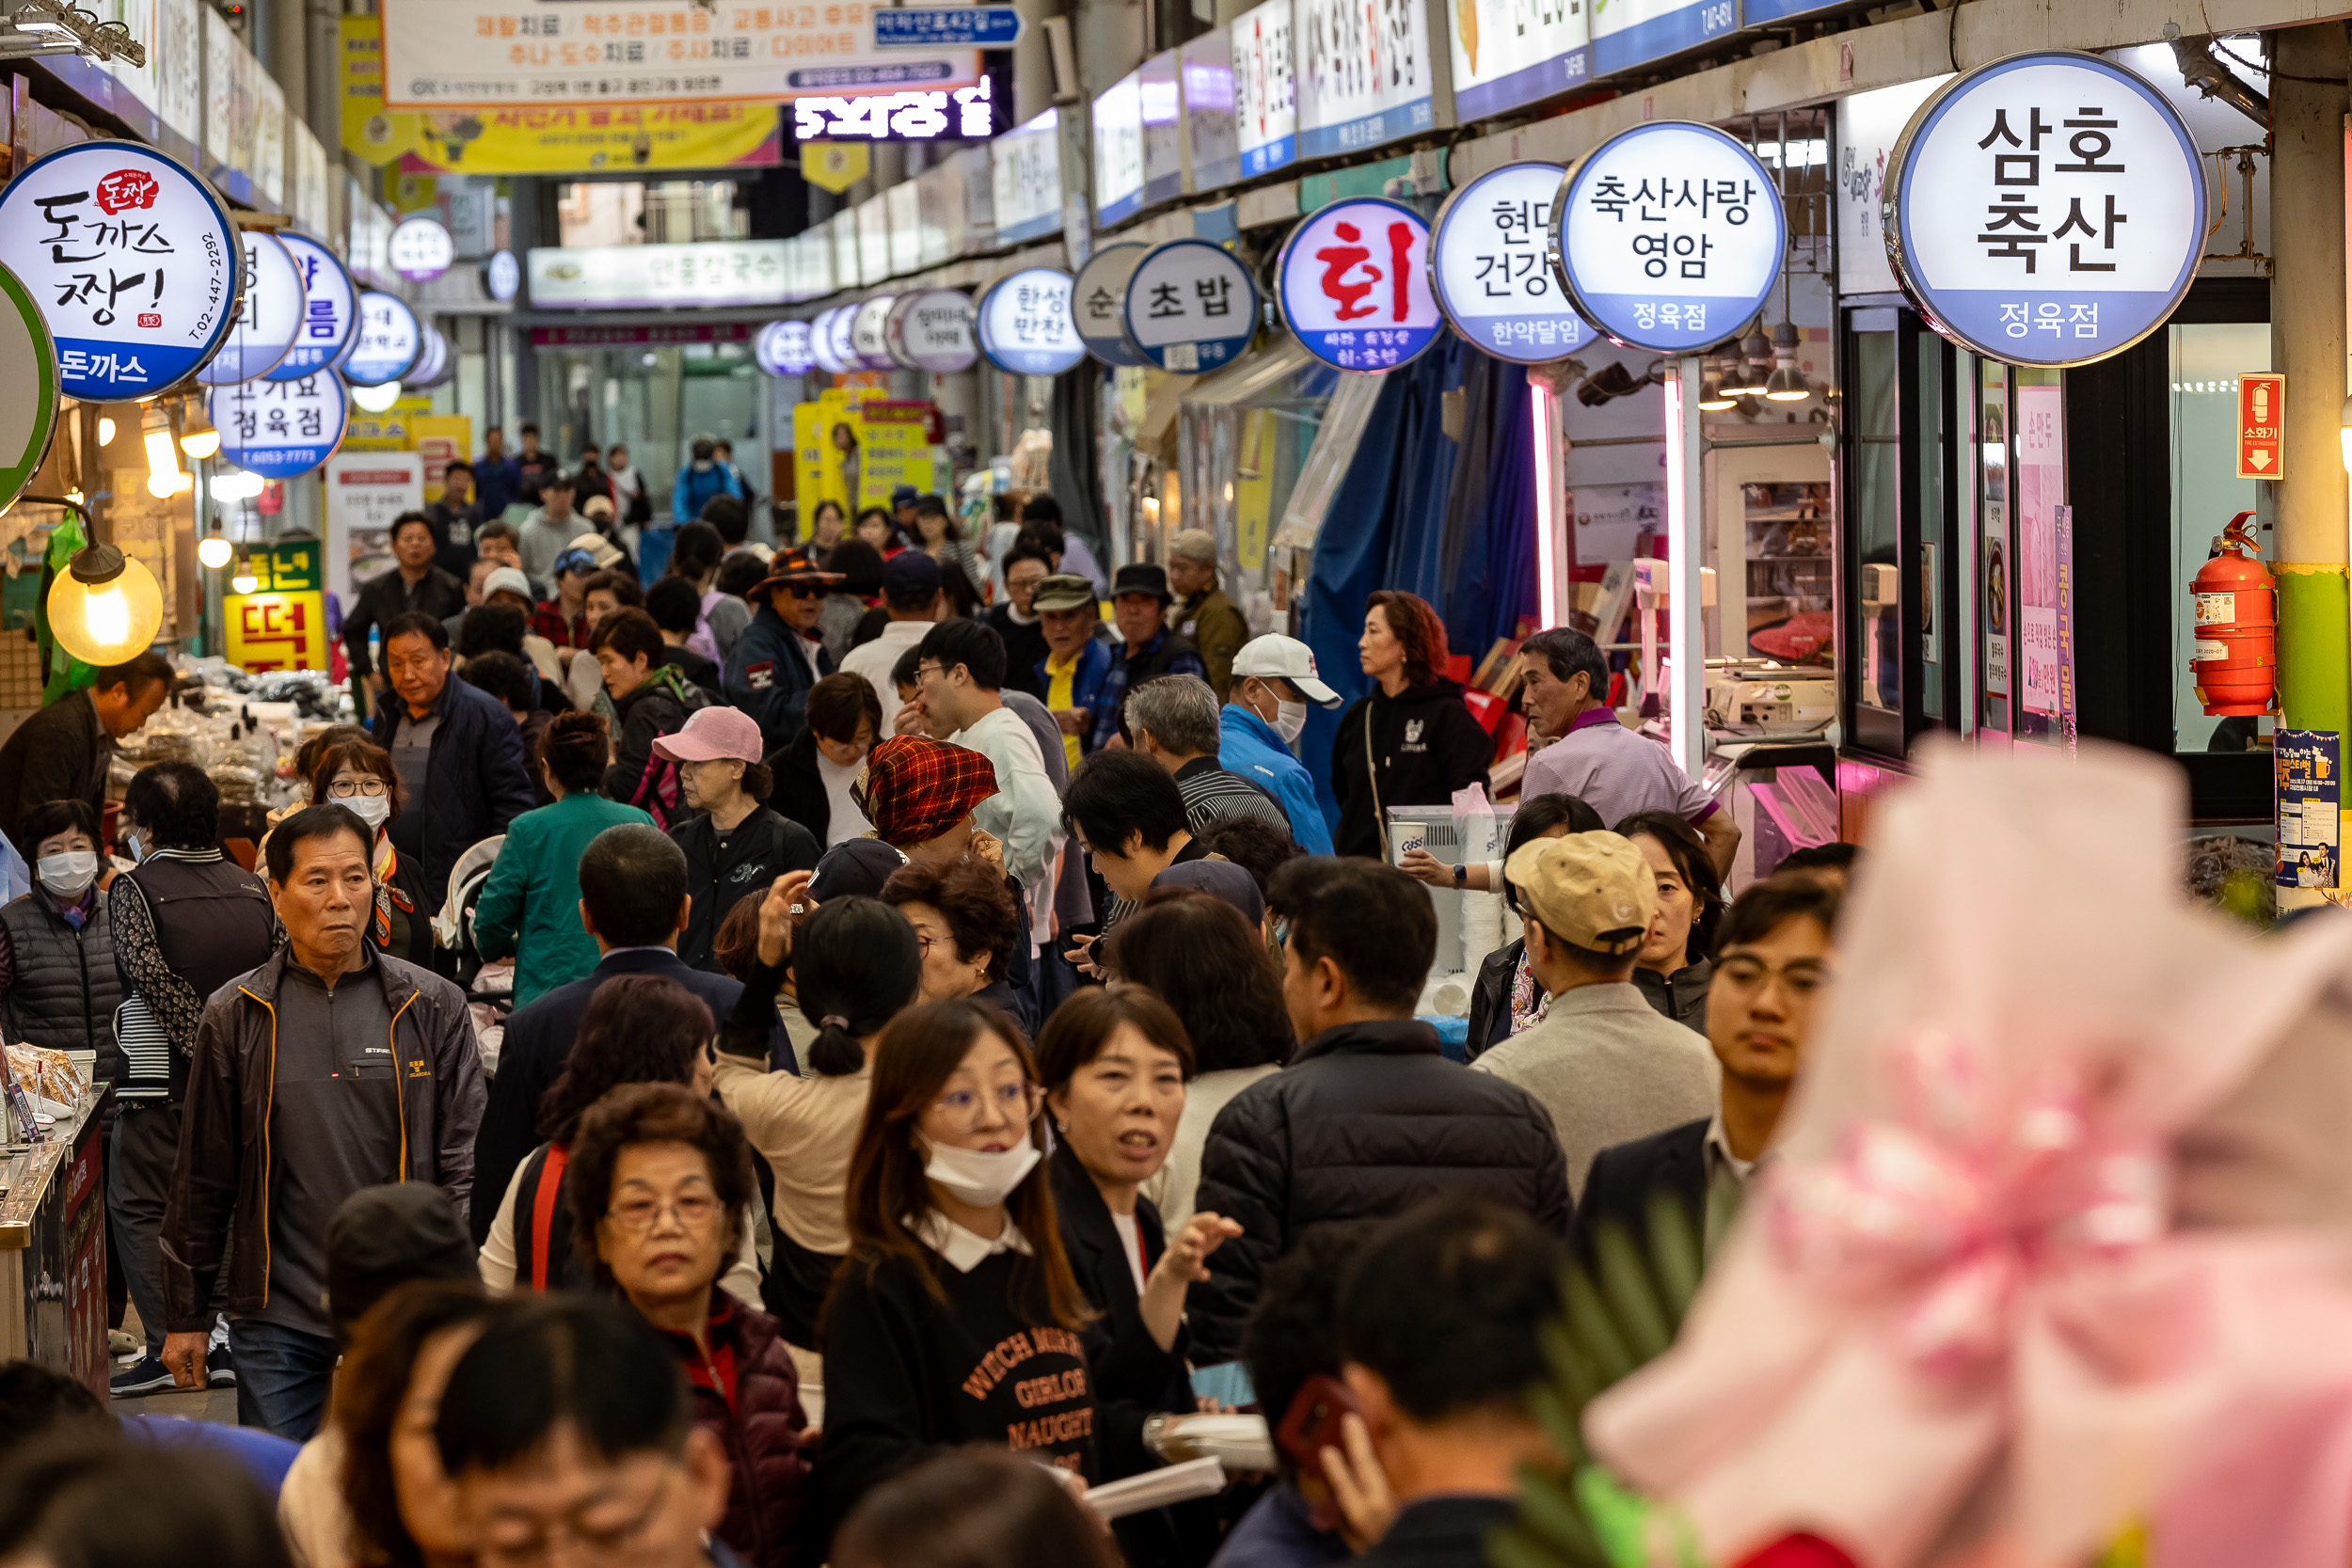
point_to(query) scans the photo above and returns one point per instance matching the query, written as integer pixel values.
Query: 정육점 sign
(388, 343)
(783, 348)
(1191, 307)
(2047, 209)
(330, 308)
(1101, 303)
(1353, 282)
(269, 315)
(1026, 326)
(930, 329)
(1668, 236)
(135, 262)
(1488, 269)
(278, 428)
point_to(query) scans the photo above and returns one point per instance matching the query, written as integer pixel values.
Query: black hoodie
(1425, 745)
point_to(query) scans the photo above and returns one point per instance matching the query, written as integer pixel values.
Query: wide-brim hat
(791, 566)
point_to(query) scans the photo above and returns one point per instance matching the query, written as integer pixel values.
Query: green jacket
(531, 905)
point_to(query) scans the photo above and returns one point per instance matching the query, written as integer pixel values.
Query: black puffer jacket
(1425, 745)
(1367, 1121)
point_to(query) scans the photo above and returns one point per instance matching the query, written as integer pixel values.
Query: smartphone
(1313, 1422)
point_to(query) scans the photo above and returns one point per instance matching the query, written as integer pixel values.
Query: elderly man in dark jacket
(1368, 1119)
(329, 1069)
(775, 661)
(458, 753)
(61, 751)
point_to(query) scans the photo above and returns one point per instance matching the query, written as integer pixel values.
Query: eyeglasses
(1017, 1103)
(611, 1544)
(922, 670)
(636, 1217)
(344, 789)
(1799, 976)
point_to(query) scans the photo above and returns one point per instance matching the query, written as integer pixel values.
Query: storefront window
(1876, 520)
(1996, 613)
(2206, 359)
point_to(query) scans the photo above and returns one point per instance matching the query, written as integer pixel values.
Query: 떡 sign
(1353, 282)
(1668, 236)
(1265, 89)
(269, 315)
(388, 343)
(2310, 769)
(1101, 303)
(783, 348)
(28, 388)
(278, 428)
(1364, 74)
(2047, 209)
(1191, 307)
(420, 248)
(2262, 419)
(1026, 326)
(1488, 269)
(135, 262)
(282, 623)
(1507, 53)
(931, 330)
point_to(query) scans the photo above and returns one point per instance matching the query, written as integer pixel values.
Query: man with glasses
(1772, 960)
(960, 668)
(779, 656)
(1016, 620)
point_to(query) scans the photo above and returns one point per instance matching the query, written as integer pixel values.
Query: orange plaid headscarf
(913, 788)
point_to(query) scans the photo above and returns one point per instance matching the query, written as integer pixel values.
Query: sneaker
(220, 1367)
(148, 1377)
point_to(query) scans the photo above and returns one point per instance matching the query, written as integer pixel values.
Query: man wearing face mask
(1273, 680)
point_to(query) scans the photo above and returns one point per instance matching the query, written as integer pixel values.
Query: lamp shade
(106, 608)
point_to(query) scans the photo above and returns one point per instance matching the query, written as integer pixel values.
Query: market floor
(195, 1405)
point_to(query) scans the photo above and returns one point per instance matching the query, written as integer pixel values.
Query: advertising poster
(2310, 767)
(894, 445)
(365, 491)
(829, 448)
(282, 623)
(2040, 480)
(441, 438)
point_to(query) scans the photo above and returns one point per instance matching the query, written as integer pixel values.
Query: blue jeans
(283, 1376)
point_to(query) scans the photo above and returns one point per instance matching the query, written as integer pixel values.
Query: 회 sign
(931, 330)
(1026, 326)
(1191, 307)
(1354, 287)
(1101, 303)
(135, 262)
(1668, 236)
(269, 315)
(1486, 266)
(278, 428)
(2046, 209)
(420, 248)
(387, 343)
(28, 388)
(330, 308)
(2261, 420)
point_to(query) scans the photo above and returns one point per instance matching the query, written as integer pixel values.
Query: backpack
(657, 792)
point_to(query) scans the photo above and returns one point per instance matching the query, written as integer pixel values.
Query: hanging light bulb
(1754, 366)
(1714, 398)
(1787, 383)
(163, 457)
(105, 431)
(376, 399)
(243, 582)
(105, 608)
(213, 551)
(198, 438)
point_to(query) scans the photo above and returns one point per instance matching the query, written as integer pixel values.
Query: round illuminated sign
(330, 308)
(503, 276)
(838, 338)
(1191, 307)
(1025, 324)
(931, 330)
(435, 363)
(1486, 267)
(1354, 287)
(134, 260)
(1101, 303)
(268, 318)
(278, 428)
(388, 340)
(420, 249)
(2047, 209)
(28, 388)
(866, 336)
(820, 344)
(783, 348)
(1668, 236)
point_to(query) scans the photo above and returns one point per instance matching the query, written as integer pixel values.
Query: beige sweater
(805, 1128)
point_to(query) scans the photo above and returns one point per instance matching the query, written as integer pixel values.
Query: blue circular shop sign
(390, 343)
(1488, 269)
(782, 348)
(2059, 214)
(1353, 282)
(1668, 237)
(330, 308)
(1026, 324)
(135, 263)
(269, 315)
(278, 428)
(839, 341)
(1192, 307)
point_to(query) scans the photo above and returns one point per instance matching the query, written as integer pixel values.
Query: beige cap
(1194, 544)
(1592, 891)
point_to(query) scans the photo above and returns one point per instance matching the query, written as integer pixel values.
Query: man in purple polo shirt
(1614, 770)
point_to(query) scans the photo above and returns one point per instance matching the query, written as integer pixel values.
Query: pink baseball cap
(712, 733)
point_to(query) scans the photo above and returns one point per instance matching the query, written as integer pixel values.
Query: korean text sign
(1354, 285)
(269, 315)
(1266, 89)
(2310, 767)
(931, 330)
(1488, 267)
(1101, 303)
(1507, 53)
(1669, 236)
(278, 428)
(390, 341)
(135, 262)
(1191, 307)
(282, 623)
(2048, 208)
(782, 348)
(1025, 324)
(1365, 74)
(330, 308)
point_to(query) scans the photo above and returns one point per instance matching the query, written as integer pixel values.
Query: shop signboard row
(924, 330)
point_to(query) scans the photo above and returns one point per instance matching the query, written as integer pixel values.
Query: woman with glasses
(955, 1319)
(359, 774)
(661, 1191)
(964, 923)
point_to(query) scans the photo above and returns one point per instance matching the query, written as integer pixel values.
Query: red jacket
(747, 1394)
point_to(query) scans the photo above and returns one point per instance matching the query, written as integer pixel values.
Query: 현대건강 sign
(1488, 267)
(1191, 307)
(1354, 287)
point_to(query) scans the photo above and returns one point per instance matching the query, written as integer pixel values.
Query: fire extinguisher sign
(2262, 424)
(2309, 773)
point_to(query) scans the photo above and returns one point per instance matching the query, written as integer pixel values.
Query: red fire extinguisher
(2235, 662)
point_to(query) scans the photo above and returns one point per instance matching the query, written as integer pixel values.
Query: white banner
(714, 273)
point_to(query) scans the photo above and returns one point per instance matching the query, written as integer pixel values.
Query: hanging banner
(1353, 285)
(2046, 209)
(1101, 298)
(1265, 89)
(388, 343)
(931, 330)
(1191, 307)
(1364, 74)
(1507, 53)
(866, 337)
(135, 262)
(1025, 323)
(28, 388)
(783, 349)
(1488, 269)
(330, 308)
(420, 248)
(278, 428)
(269, 315)
(282, 623)
(1668, 236)
(1118, 151)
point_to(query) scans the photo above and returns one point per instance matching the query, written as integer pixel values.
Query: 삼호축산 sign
(1354, 287)
(278, 428)
(134, 260)
(1488, 269)
(268, 319)
(1668, 236)
(1192, 307)
(2046, 209)
(330, 308)
(1025, 326)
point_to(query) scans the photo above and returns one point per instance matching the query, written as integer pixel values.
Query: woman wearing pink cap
(734, 843)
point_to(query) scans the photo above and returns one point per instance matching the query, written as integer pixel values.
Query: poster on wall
(1365, 74)
(177, 56)
(365, 491)
(1507, 53)
(1265, 89)
(2309, 766)
(2041, 485)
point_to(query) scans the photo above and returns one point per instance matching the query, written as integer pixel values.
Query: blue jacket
(477, 783)
(693, 490)
(497, 487)
(1253, 749)
(1086, 684)
(767, 679)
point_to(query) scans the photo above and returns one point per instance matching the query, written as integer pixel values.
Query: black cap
(384, 1237)
(1142, 578)
(857, 866)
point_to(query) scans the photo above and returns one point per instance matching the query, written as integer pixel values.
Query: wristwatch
(1461, 875)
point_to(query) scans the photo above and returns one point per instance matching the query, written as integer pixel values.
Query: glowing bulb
(105, 431)
(243, 582)
(376, 399)
(163, 487)
(200, 443)
(108, 614)
(162, 464)
(213, 551)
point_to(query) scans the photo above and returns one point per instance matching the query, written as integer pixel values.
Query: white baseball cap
(1287, 657)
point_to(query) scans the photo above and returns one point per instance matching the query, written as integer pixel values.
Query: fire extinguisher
(2236, 658)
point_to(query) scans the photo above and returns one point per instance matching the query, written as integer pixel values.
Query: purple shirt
(1614, 770)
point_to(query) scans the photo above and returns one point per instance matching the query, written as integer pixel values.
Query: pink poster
(2041, 490)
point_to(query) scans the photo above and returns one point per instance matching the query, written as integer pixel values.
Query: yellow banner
(440, 437)
(276, 631)
(526, 140)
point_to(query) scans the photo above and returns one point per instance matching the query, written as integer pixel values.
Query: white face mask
(67, 874)
(370, 808)
(979, 1176)
(1290, 721)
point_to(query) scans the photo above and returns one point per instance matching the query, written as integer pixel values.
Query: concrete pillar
(2307, 342)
